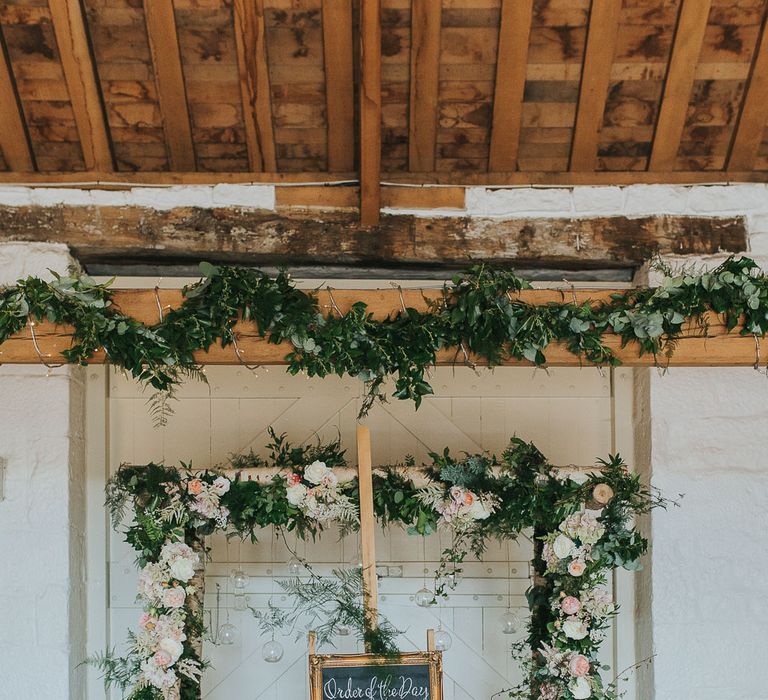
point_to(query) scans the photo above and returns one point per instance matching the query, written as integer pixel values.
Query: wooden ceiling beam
(14, 138)
(258, 237)
(169, 77)
(754, 109)
(511, 65)
(370, 112)
(595, 78)
(339, 83)
(689, 36)
(425, 68)
(77, 62)
(254, 84)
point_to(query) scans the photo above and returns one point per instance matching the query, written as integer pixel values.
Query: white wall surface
(42, 518)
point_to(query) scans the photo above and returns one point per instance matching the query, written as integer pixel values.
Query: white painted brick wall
(42, 518)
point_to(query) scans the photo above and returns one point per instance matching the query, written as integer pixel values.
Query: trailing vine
(479, 314)
(581, 521)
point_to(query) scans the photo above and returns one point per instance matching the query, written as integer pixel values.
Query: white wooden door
(573, 416)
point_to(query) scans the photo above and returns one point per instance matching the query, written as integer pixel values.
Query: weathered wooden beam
(339, 84)
(272, 238)
(754, 110)
(80, 75)
(425, 67)
(689, 36)
(370, 112)
(699, 347)
(14, 139)
(169, 76)
(250, 40)
(511, 64)
(595, 77)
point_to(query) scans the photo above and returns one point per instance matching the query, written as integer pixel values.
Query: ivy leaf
(208, 270)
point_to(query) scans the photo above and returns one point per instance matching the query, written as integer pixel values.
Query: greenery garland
(479, 313)
(582, 523)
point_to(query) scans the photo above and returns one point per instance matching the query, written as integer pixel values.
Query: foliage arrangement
(479, 315)
(582, 524)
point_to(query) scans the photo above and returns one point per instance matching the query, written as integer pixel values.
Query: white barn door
(573, 416)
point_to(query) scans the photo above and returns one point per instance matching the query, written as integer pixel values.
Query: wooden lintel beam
(339, 84)
(77, 62)
(689, 36)
(169, 77)
(250, 40)
(370, 112)
(14, 138)
(514, 31)
(135, 234)
(425, 66)
(754, 110)
(595, 78)
(710, 347)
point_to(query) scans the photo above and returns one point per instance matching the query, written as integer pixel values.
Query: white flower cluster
(571, 669)
(319, 496)
(571, 547)
(207, 499)
(462, 509)
(163, 588)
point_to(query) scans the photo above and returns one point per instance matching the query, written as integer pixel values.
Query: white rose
(315, 472)
(580, 688)
(220, 485)
(563, 546)
(172, 647)
(330, 480)
(573, 628)
(296, 494)
(182, 569)
(478, 510)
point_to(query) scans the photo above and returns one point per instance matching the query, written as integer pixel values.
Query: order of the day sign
(415, 676)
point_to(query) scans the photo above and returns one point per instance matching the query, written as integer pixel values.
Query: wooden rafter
(595, 78)
(169, 76)
(754, 111)
(254, 84)
(80, 75)
(707, 346)
(339, 85)
(425, 66)
(14, 139)
(370, 112)
(689, 36)
(514, 31)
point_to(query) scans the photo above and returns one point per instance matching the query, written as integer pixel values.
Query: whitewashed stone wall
(42, 516)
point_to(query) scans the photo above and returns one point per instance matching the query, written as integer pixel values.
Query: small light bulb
(294, 567)
(239, 579)
(227, 634)
(272, 652)
(443, 640)
(509, 622)
(424, 598)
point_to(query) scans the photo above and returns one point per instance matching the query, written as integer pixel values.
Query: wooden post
(430, 640)
(312, 642)
(367, 529)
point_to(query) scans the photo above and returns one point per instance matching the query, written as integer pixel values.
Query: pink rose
(144, 620)
(577, 567)
(570, 605)
(469, 498)
(174, 597)
(195, 486)
(163, 658)
(578, 666)
(457, 494)
(293, 479)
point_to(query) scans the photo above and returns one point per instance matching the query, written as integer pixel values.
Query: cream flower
(580, 688)
(220, 485)
(182, 569)
(315, 472)
(563, 546)
(478, 510)
(173, 648)
(573, 628)
(174, 597)
(296, 494)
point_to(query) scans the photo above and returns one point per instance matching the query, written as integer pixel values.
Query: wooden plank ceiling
(449, 91)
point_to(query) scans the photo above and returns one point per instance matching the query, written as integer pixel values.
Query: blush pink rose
(577, 567)
(570, 605)
(162, 658)
(293, 479)
(578, 666)
(469, 498)
(174, 597)
(195, 486)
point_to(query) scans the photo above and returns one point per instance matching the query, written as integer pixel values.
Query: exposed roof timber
(169, 76)
(689, 36)
(250, 39)
(514, 31)
(80, 76)
(595, 78)
(14, 139)
(370, 111)
(339, 76)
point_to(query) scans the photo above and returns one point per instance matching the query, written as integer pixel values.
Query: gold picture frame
(319, 662)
